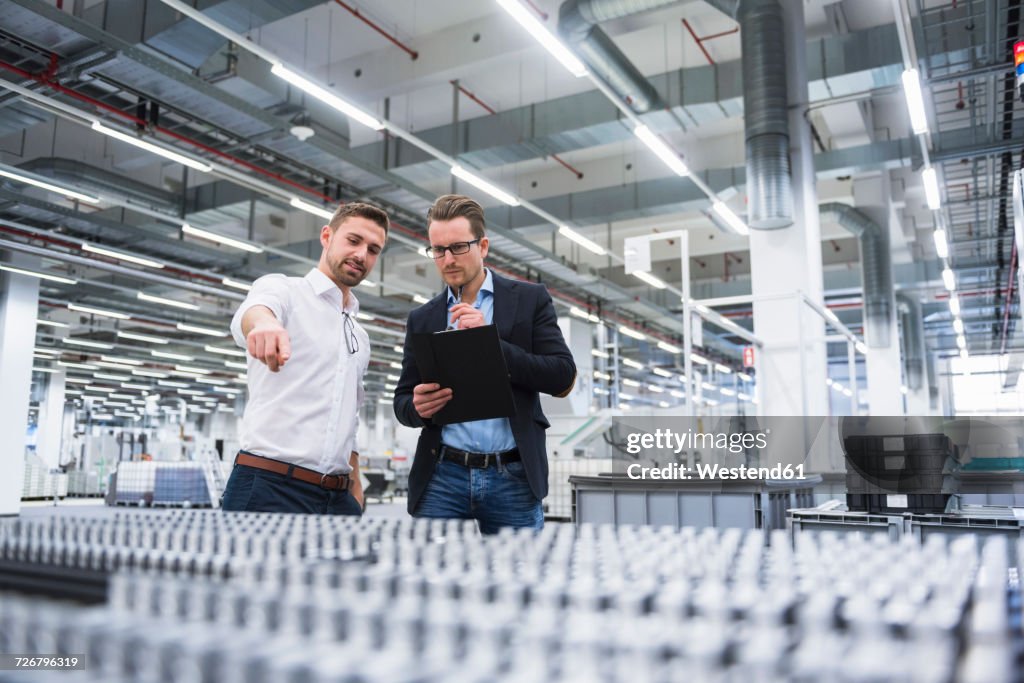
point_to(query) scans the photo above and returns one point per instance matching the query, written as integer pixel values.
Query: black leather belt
(478, 460)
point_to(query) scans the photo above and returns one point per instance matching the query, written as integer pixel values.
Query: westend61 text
(702, 471)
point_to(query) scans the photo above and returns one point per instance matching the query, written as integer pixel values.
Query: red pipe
(491, 110)
(358, 15)
(1009, 300)
(698, 41)
(541, 13)
(195, 143)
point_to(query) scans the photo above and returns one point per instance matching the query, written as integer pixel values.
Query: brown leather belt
(330, 482)
(478, 460)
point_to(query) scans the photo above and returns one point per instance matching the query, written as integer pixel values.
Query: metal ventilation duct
(913, 349)
(578, 23)
(769, 186)
(79, 174)
(875, 268)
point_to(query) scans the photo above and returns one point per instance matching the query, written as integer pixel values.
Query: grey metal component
(913, 344)
(578, 23)
(726, 7)
(79, 174)
(769, 186)
(876, 270)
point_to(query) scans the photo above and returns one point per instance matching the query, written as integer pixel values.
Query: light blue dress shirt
(479, 436)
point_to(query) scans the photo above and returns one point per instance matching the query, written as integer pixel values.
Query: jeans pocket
(515, 470)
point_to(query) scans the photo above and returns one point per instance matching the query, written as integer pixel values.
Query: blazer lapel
(506, 298)
(438, 317)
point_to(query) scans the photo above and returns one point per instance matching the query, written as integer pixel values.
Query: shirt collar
(325, 287)
(487, 286)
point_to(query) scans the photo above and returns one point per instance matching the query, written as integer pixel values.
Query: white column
(884, 363)
(579, 336)
(49, 435)
(19, 303)
(791, 367)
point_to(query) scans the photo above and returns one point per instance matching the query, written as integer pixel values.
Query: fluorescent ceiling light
(50, 323)
(708, 386)
(78, 366)
(52, 352)
(221, 239)
(602, 375)
(142, 296)
(311, 208)
(662, 373)
(958, 326)
(38, 369)
(941, 245)
(484, 186)
(730, 218)
(744, 376)
(597, 390)
(171, 356)
(626, 397)
(630, 363)
(151, 147)
(17, 177)
(961, 341)
(191, 370)
(649, 279)
(191, 392)
(948, 279)
(931, 188)
(201, 330)
(589, 245)
(225, 352)
(724, 369)
(830, 314)
(396, 365)
(699, 359)
(585, 315)
(543, 36)
(237, 284)
(364, 316)
(655, 388)
(420, 299)
(630, 332)
(237, 366)
(954, 305)
(113, 378)
(915, 101)
(325, 96)
(630, 382)
(598, 353)
(98, 311)
(861, 347)
(398, 349)
(964, 354)
(121, 256)
(208, 380)
(120, 360)
(172, 383)
(149, 373)
(142, 338)
(86, 343)
(658, 146)
(367, 283)
(726, 392)
(665, 346)
(677, 394)
(41, 276)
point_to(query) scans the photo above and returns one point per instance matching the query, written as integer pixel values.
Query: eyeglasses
(456, 248)
(348, 328)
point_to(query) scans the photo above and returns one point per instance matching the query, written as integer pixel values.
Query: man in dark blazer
(494, 471)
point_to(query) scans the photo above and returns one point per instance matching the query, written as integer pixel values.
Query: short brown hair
(362, 210)
(451, 206)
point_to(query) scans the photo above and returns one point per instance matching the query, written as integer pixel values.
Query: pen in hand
(458, 300)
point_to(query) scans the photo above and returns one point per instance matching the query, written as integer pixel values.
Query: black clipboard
(472, 364)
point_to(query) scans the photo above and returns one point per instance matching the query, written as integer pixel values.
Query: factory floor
(94, 507)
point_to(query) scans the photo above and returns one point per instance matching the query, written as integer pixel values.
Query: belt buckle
(323, 479)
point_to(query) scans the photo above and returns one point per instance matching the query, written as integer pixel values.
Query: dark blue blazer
(538, 361)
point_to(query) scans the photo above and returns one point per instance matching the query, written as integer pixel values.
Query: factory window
(978, 383)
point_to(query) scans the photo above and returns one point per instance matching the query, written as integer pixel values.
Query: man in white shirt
(307, 355)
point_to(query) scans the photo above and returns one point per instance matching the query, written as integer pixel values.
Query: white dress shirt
(307, 413)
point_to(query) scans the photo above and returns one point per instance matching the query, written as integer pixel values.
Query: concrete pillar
(884, 363)
(784, 262)
(19, 304)
(49, 434)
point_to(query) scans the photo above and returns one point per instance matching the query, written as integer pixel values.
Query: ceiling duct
(578, 23)
(85, 176)
(913, 346)
(875, 268)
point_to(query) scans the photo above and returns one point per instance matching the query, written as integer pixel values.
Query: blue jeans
(494, 496)
(254, 490)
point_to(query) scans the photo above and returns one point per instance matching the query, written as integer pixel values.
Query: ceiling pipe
(875, 268)
(578, 23)
(86, 176)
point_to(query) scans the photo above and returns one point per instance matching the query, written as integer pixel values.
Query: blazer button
(433, 451)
